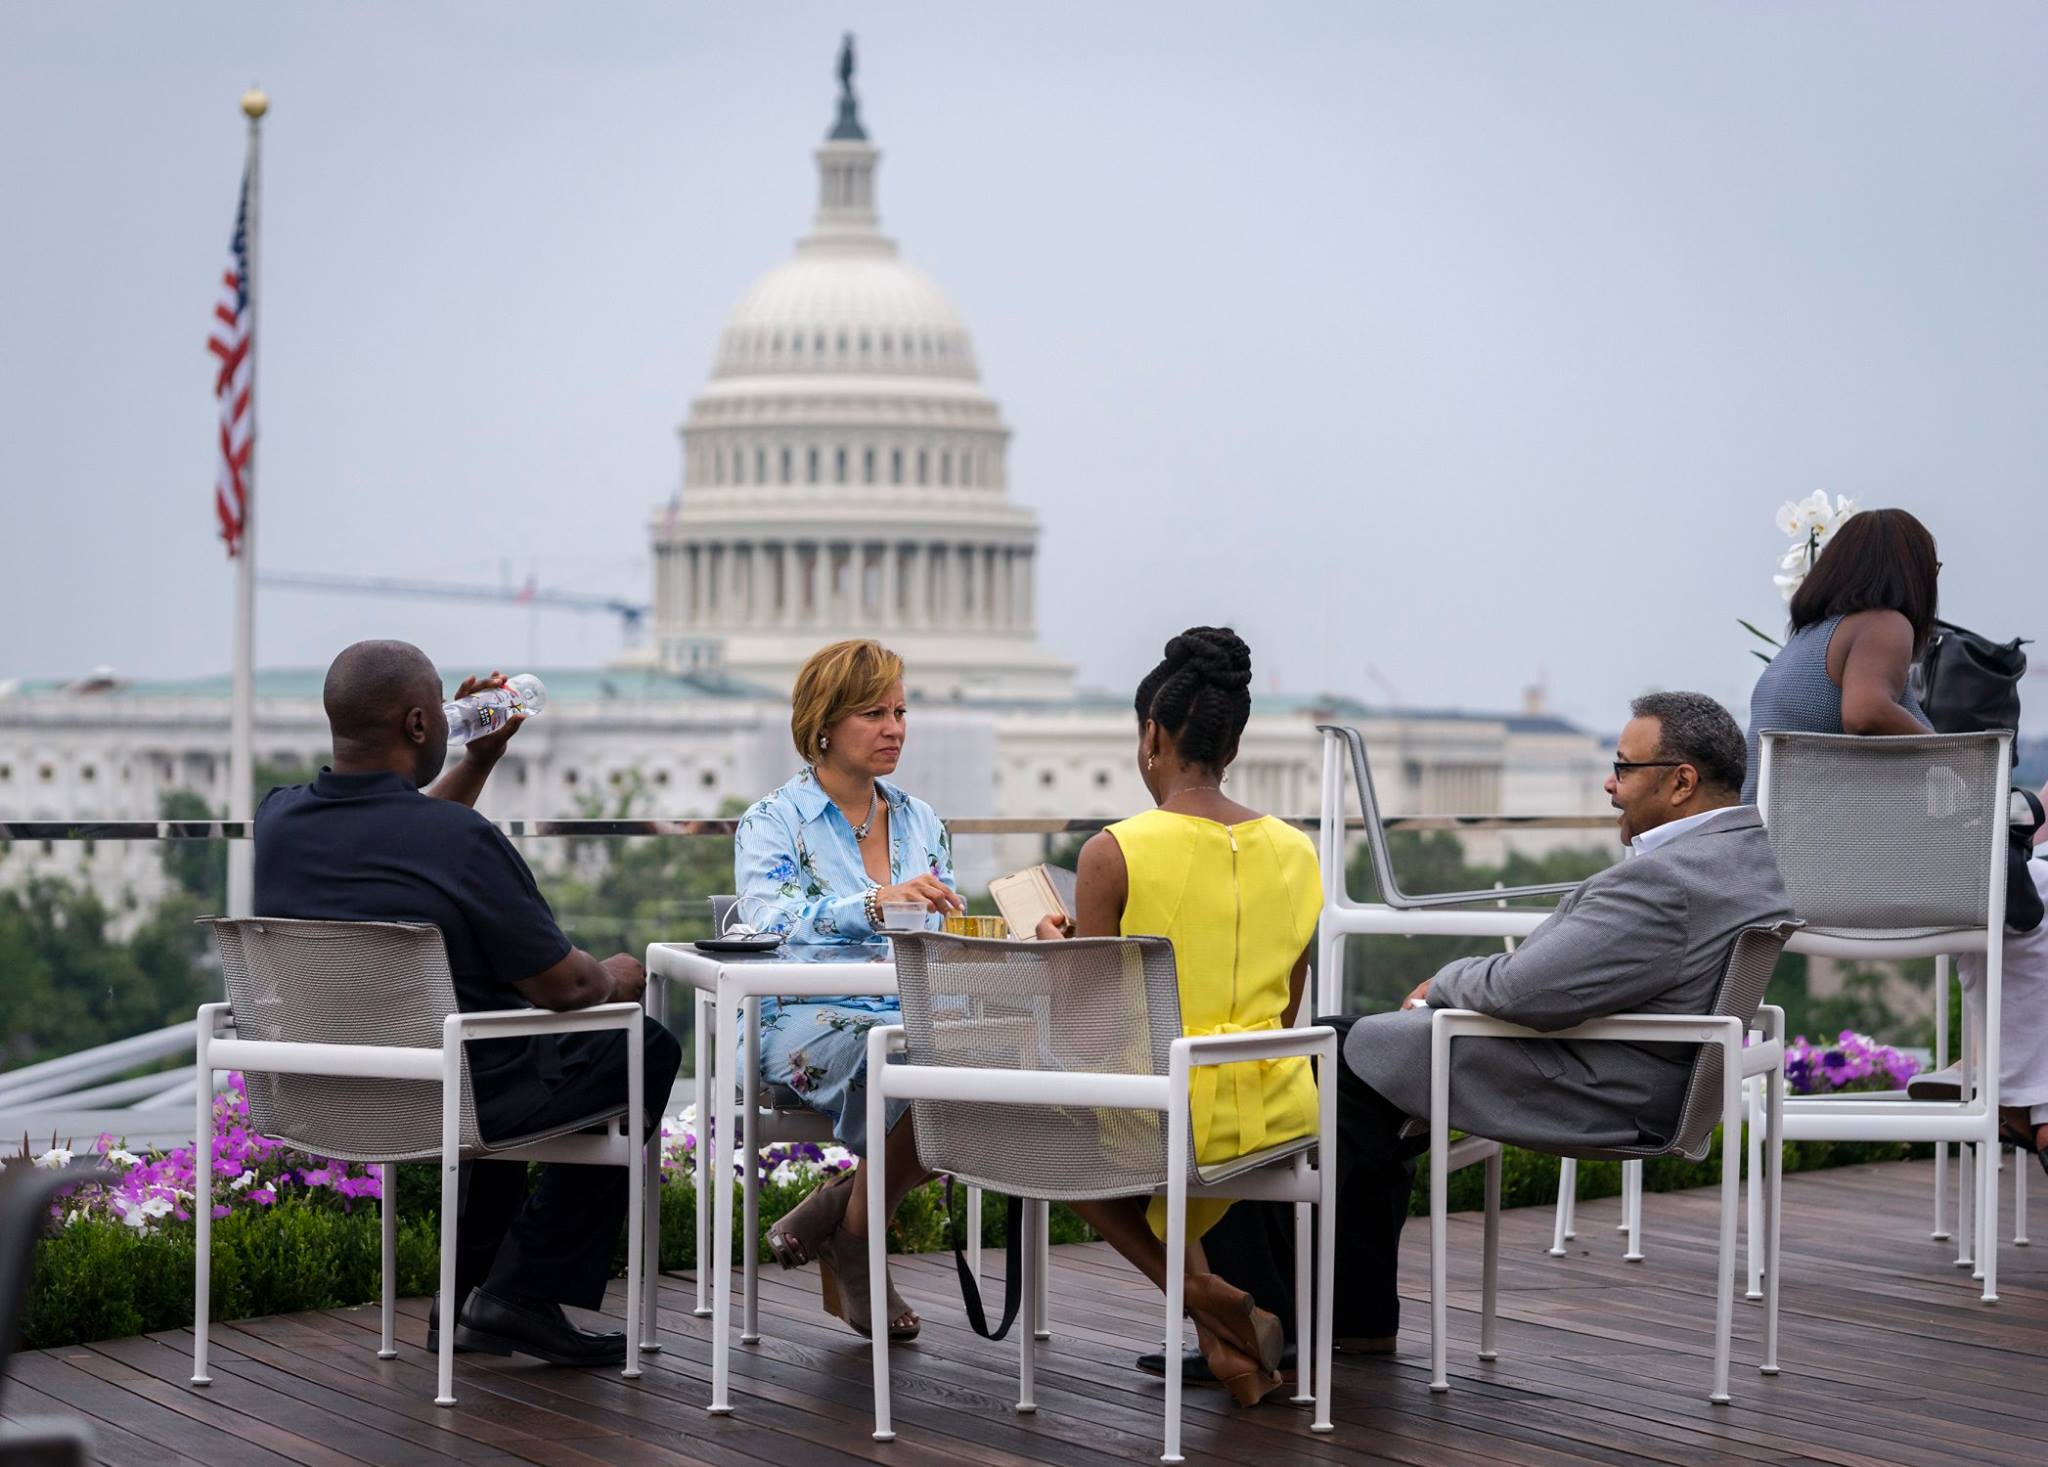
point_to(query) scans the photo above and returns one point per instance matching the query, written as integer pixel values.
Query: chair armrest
(1626, 1028)
(1772, 1020)
(504, 1023)
(209, 1018)
(1195, 1050)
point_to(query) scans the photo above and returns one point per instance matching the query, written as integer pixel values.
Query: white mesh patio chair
(770, 1114)
(351, 1046)
(1401, 913)
(1895, 847)
(1058, 1071)
(1714, 1095)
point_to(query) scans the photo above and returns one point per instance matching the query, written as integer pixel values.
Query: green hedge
(102, 1280)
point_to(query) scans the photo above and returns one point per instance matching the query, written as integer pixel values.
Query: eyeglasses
(1623, 766)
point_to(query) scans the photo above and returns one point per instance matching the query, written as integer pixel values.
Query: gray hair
(1699, 731)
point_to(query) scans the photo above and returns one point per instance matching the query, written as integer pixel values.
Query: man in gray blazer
(1651, 934)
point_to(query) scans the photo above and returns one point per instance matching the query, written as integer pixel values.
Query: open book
(1024, 897)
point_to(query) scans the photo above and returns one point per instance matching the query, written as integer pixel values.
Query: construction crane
(632, 615)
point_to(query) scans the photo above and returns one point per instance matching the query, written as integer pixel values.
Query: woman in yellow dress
(1238, 893)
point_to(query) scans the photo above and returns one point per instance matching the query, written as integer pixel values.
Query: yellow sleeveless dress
(1239, 903)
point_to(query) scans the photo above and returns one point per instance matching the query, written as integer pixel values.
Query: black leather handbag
(1967, 683)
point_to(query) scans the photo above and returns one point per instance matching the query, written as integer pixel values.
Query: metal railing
(79, 1096)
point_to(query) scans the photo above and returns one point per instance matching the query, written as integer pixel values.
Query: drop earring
(824, 742)
(1150, 760)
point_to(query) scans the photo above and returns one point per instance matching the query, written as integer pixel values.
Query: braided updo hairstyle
(1201, 694)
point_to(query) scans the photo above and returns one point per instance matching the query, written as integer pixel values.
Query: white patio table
(736, 983)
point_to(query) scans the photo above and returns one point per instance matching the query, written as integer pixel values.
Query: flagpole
(241, 714)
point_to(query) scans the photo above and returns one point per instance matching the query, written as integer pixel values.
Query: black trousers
(1253, 1245)
(555, 1243)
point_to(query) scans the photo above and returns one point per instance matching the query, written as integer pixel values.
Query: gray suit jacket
(1649, 935)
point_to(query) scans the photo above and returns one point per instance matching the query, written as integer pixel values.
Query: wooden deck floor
(1888, 1355)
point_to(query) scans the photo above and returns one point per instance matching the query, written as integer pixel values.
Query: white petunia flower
(157, 1207)
(121, 1156)
(245, 1180)
(55, 1157)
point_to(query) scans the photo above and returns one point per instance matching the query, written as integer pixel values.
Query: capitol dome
(844, 309)
(844, 475)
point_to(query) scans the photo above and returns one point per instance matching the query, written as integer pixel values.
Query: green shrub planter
(98, 1280)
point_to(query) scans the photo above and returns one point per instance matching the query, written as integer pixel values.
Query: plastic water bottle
(489, 710)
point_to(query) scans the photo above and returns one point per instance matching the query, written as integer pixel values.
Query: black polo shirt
(372, 848)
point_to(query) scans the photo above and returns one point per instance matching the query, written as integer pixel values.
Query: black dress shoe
(462, 1345)
(1195, 1369)
(535, 1327)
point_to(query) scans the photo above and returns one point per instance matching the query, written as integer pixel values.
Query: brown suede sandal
(795, 1237)
(1247, 1380)
(843, 1271)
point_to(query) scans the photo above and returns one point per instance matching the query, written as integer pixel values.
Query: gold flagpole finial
(254, 104)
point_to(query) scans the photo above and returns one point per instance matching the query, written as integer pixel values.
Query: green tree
(1380, 971)
(619, 893)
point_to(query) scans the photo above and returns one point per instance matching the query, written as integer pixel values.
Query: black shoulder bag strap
(1013, 1275)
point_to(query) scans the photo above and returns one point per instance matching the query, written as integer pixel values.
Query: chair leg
(1041, 1297)
(1323, 1322)
(1489, 1286)
(1176, 1274)
(1966, 1154)
(636, 1194)
(387, 1272)
(1753, 1189)
(1724, 1278)
(1567, 1185)
(877, 1182)
(445, 1367)
(1940, 1233)
(707, 1046)
(2019, 1198)
(1966, 1205)
(1029, 1259)
(1304, 1239)
(974, 1234)
(202, 1213)
(750, 1160)
(650, 1258)
(1773, 1158)
(1987, 1250)
(1439, 1197)
(1632, 1184)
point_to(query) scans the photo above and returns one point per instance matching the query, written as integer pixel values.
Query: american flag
(231, 343)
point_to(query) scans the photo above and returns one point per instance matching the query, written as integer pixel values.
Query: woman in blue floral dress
(817, 860)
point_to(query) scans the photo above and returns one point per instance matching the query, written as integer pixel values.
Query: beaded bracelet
(871, 908)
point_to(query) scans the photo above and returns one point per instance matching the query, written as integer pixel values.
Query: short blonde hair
(836, 682)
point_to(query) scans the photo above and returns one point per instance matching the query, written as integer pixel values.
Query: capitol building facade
(844, 474)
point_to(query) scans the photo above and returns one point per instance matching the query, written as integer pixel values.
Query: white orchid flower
(1788, 586)
(1789, 520)
(1794, 560)
(55, 1157)
(1816, 513)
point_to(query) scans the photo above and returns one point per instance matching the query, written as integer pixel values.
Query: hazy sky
(1466, 344)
